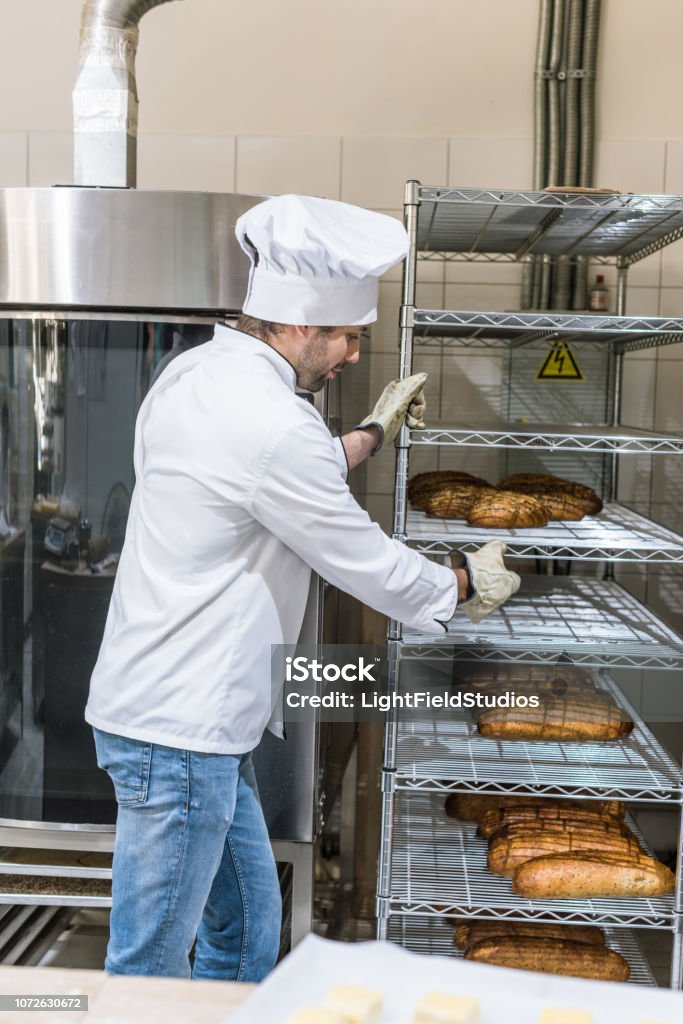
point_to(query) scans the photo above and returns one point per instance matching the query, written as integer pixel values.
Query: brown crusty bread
(560, 505)
(438, 477)
(518, 844)
(469, 932)
(575, 718)
(506, 510)
(453, 501)
(606, 827)
(473, 806)
(543, 484)
(551, 956)
(498, 819)
(578, 876)
(426, 486)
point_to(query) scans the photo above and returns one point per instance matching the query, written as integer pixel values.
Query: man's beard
(313, 363)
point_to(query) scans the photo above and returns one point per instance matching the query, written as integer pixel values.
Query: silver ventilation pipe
(590, 66)
(572, 125)
(531, 272)
(105, 100)
(589, 62)
(554, 105)
(554, 160)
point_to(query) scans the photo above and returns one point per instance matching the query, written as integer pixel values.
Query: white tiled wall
(13, 159)
(374, 171)
(50, 159)
(308, 165)
(187, 162)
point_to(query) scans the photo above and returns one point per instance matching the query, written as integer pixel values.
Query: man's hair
(265, 329)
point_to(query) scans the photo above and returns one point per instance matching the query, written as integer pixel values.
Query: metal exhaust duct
(105, 100)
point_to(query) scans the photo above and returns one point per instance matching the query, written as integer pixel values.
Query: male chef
(240, 492)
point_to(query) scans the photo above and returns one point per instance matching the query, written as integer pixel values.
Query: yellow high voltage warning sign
(560, 364)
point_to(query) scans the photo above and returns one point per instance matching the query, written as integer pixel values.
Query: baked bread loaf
(543, 484)
(506, 510)
(510, 849)
(473, 806)
(453, 500)
(551, 956)
(469, 932)
(592, 875)
(495, 821)
(560, 505)
(422, 481)
(575, 718)
(425, 485)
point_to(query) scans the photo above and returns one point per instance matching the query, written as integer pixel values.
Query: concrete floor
(83, 945)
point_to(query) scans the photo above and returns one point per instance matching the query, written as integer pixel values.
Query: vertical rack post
(411, 204)
(622, 275)
(388, 791)
(677, 953)
(617, 380)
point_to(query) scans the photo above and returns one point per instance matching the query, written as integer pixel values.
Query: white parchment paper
(505, 996)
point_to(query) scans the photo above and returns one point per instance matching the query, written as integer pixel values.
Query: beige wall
(361, 67)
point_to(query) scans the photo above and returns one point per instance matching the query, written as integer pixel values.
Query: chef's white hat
(316, 261)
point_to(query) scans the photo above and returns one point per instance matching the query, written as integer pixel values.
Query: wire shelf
(551, 619)
(439, 867)
(447, 754)
(617, 534)
(439, 326)
(485, 222)
(552, 438)
(435, 936)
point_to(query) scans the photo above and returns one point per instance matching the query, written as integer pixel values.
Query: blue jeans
(191, 858)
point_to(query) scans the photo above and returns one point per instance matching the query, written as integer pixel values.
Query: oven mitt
(401, 400)
(492, 583)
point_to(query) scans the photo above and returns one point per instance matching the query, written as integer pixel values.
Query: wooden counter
(120, 999)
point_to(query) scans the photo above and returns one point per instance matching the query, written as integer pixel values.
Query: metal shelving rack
(430, 866)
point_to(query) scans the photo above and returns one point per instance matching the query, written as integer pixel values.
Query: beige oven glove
(401, 400)
(492, 583)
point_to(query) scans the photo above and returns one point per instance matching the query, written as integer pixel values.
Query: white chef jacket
(238, 495)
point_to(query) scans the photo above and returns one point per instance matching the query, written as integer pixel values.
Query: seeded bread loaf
(560, 505)
(578, 876)
(438, 477)
(551, 956)
(473, 806)
(454, 500)
(542, 485)
(576, 718)
(467, 933)
(495, 821)
(506, 510)
(427, 485)
(510, 849)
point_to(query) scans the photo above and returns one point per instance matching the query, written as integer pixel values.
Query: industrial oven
(97, 287)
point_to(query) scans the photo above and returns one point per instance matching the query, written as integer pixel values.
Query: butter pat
(565, 1017)
(443, 1008)
(356, 1004)
(316, 1015)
